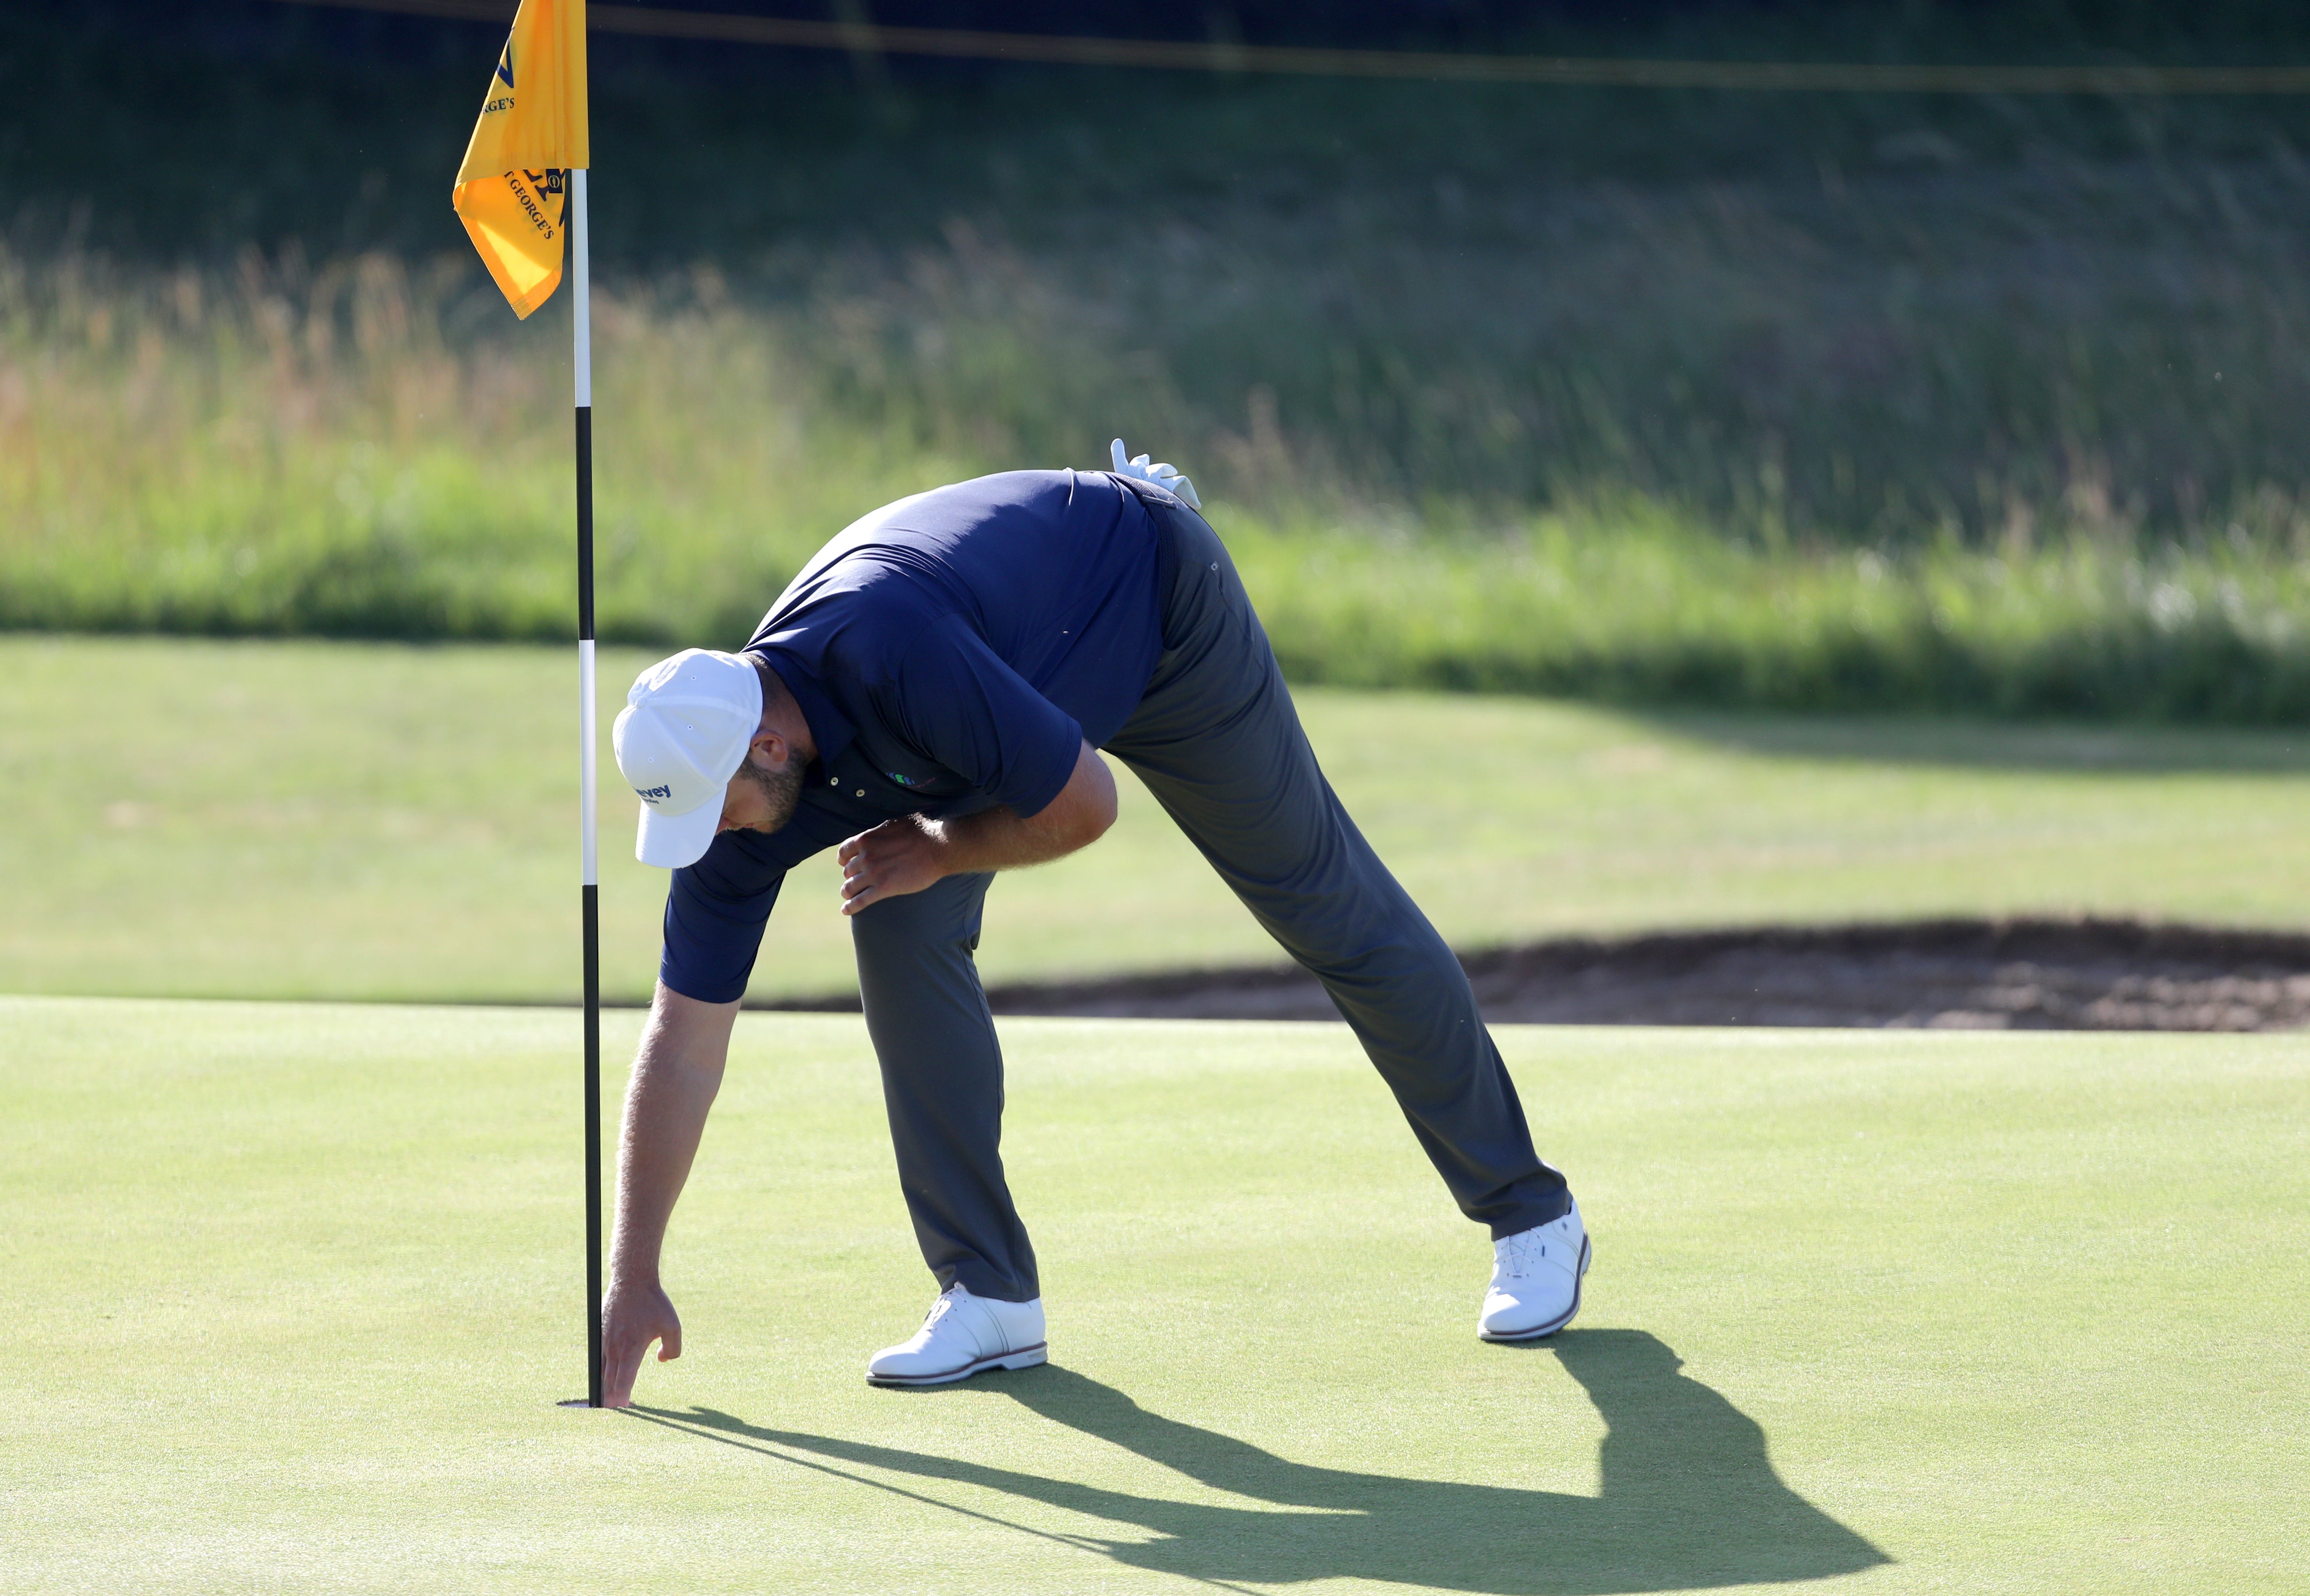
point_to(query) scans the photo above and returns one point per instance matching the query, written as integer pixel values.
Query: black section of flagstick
(593, 937)
(592, 914)
(584, 522)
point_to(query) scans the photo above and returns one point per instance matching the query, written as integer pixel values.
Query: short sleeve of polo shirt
(715, 912)
(715, 908)
(953, 697)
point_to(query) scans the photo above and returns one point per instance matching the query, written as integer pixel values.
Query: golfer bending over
(928, 697)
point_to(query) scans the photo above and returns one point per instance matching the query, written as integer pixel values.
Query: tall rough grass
(1630, 603)
(372, 449)
(357, 451)
(1926, 345)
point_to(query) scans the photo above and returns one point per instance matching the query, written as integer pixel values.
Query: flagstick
(582, 358)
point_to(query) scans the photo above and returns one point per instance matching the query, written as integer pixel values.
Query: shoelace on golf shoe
(1515, 1256)
(980, 1329)
(941, 1309)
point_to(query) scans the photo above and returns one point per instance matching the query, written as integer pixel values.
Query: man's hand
(677, 1070)
(633, 1315)
(909, 853)
(895, 858)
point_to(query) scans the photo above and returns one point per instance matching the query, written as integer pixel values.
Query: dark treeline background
(163, 130)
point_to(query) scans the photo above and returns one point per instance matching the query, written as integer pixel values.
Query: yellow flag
(533, 130)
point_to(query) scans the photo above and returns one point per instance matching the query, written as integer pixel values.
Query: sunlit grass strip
(1636, 606)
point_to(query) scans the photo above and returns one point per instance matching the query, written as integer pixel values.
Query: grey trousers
(1217, 741)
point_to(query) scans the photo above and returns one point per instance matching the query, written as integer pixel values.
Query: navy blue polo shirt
(951, 652)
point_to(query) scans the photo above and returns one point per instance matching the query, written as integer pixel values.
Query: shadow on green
(1689, 1499)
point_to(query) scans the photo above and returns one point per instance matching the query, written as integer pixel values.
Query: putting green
(297, 1286)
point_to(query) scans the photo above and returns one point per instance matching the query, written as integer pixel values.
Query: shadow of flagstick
(1689, 1498)
(710, 1426)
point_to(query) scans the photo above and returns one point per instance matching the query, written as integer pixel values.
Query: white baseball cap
(679, 741)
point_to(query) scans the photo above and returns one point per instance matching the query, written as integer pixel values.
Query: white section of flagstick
(588, 819)
(581, 337)
(581, 288)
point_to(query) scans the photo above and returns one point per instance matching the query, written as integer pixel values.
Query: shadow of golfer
(1688, 1501)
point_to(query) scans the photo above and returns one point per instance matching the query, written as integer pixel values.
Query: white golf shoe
(962, 1335)
(1535, 1287)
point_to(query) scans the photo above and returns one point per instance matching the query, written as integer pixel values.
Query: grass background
(1654, 399)
(194, 818)
(1815, 403)
(2012, 1313)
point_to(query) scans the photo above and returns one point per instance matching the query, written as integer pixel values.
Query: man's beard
(781, 789)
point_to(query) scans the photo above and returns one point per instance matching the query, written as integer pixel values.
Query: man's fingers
(859, 876)
(619, 1368)
(853, 845)
(884, 862)
(621, 1365)
(631, 1319)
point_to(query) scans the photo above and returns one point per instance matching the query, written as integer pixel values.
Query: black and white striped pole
(590, 891)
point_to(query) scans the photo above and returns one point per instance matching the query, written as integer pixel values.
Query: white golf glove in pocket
(1166, 477)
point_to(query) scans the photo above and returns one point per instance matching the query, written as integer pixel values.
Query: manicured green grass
(192, 818)
(297, 1286)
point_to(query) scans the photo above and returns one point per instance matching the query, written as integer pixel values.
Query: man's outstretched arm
(909, 853)
(677, 1072)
